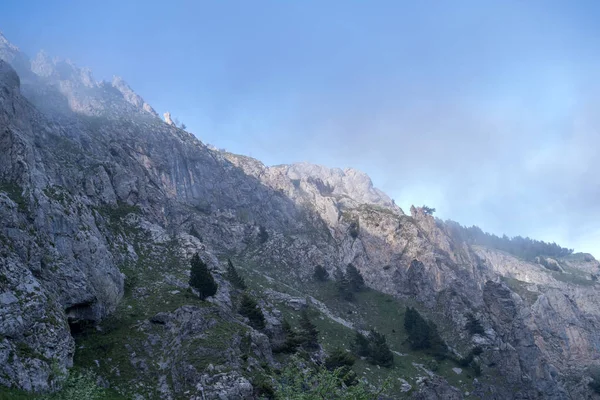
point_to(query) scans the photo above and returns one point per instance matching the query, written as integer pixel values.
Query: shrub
(354, 229)
(339, 358)
(201, 279)
(263, 235)
(249, 309)
(302, 383)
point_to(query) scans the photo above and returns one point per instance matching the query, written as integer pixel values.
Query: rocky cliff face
(88, 167)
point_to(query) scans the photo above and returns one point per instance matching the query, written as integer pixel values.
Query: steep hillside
(102, 205)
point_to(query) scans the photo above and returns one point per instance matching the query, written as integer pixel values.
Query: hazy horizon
(485, 112)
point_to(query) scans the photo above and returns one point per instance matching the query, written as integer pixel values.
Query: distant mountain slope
(102, 204)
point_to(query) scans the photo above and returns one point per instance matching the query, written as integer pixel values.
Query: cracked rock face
(78, 154)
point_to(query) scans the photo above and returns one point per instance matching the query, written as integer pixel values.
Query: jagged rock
(435, 388)
(83, 162)
(168, 119)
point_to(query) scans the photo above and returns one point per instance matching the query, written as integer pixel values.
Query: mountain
(102, 205)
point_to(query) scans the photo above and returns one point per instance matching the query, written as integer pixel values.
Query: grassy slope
(369, 309)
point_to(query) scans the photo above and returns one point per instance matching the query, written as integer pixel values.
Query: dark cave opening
(79, 319)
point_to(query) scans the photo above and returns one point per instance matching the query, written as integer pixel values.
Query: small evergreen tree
(417, 329)
(308, 335)
(343, 286)
(379, 351)
(339, 358)
(360, 346)
(292, 341)
(320, 274)
(354, 278)
(249, 309)
(423, 335)
(201, 279)
(233, 276)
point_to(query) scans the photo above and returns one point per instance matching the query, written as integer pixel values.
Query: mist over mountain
(137, 261)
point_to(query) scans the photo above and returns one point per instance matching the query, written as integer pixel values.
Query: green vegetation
(343, 285)
(249, 309)
(320, 274)
(233, 276)
(354, 277)
(379, 351)
(374, 347)
(201, 279)
(308, 336)
(15, 193)
(423, 335)
(301, 383)
(525, 248)
(354, 229)
(473, 326)
(80, 384)
(428, 210)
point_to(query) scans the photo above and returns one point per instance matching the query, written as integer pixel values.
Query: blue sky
(485, 110)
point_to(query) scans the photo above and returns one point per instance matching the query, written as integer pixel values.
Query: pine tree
(292, 340)
(417, 329)
(233, 276)
(339, 358)
(320, 273)
(249, 309)
(354, 278)
(308, 335)
(379, 351)
(343, 285)
(201, 279)
(360, 346)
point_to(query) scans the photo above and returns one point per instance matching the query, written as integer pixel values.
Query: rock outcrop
(87, 166)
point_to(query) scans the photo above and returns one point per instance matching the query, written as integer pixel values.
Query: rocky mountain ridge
(94, 186)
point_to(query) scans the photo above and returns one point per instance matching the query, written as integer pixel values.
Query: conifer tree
(354, 278)
(291, 338)
(339, 358)
(233, 276)
(308, 335)
(201, 279)
(249, 309)
(343, 286)
(379, 351)
(360, 346)
(320, 273)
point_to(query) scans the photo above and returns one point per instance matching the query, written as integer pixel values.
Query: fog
(487, 112)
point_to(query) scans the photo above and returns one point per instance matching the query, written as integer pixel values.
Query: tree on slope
(250, 309)
(201, 279)
(354, 277)
(233, 276)
(308, 335)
